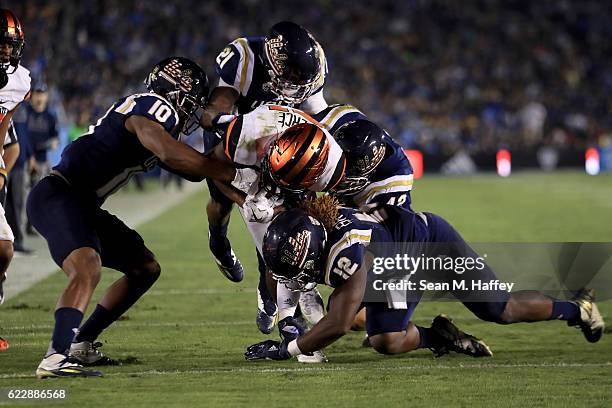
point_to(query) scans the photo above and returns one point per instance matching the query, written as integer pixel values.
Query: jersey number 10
(161, 111)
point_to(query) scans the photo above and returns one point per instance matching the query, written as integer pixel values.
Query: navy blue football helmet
(293, 248)
(294, 60)
(363, 145)
(184, 84)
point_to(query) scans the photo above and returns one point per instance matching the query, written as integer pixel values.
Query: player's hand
(289, 329)
(269, 349)
(244, 178)
(262, 206)
(221, 122)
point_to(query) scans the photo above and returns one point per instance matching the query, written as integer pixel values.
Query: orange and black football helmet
(297, 158)
(11, 32)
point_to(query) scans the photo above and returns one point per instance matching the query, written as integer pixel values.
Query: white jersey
(16, 90)
(249, 136)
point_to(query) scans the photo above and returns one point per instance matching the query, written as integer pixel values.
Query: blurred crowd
(439, 75)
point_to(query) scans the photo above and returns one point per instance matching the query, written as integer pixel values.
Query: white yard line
(132, 208)
(326, 368)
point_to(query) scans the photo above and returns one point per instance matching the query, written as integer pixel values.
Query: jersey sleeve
(346, 256)
(152, 107)
(234, 65)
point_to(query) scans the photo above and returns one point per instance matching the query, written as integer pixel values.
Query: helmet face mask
(293, 58)
(184, 84)
(363, 144)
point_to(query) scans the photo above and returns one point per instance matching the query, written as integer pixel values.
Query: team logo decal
(295, 253)
(276, 56)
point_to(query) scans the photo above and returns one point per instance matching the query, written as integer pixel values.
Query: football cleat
(590, 321)
(365, 343)
(316, 357)
(4, 344)
(453, 339)
(267, 311)
(87, 354)
(58, 365)
(226, 260)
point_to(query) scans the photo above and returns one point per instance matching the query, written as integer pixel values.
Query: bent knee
(146, 272)
(83, 264)
(387, 343)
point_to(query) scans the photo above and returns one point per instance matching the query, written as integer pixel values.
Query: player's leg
(502, 307)
(124, 250)
(266, 303)
(391, 332)
(218, 211)
(65, 220)
(6, 250)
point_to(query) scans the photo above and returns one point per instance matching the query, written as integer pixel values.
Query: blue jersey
(104, 159)
(354, 231)
(241, 66)
(391, 183)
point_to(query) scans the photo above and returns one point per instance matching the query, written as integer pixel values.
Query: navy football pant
(381, 318)
(69, 220)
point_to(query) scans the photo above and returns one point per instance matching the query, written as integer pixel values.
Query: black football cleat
(453, 339)
(590, 321)
(226, 260)
(87, 354)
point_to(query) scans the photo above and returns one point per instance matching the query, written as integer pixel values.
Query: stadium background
(443, 77)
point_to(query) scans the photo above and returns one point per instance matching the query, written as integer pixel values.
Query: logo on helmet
(276, 56)
(295, 253)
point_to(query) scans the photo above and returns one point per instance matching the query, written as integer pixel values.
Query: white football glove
(244, 179)
(260, 207)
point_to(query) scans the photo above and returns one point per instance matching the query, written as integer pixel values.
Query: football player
(286, 67)
(327, 244)
(136, 133)
(377, 171)
(14, 89)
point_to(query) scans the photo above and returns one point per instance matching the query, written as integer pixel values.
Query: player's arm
(344, 305)
(11, 153)
(222, 100)
(176, 155)
(229, 66)
(4, 127)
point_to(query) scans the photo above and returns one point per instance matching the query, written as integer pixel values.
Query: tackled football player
(136, 133)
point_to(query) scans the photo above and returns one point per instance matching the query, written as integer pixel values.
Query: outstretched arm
(344, 304)
(222, 100)
(176, 155)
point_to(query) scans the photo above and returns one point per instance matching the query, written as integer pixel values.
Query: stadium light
(592, 164)
(504, 163)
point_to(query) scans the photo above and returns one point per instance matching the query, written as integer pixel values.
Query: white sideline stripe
(133, 209)
(134, 325)
(334, 369)
(203, 291)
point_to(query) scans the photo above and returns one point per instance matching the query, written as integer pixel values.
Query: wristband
(293, 349)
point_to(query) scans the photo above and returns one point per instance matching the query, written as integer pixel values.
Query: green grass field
(184, 341)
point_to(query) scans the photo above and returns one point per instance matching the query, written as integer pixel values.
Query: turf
(183, 342)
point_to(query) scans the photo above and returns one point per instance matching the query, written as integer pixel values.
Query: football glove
(269, 349)
(289, 329)
(260, 206)
(244, 178)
